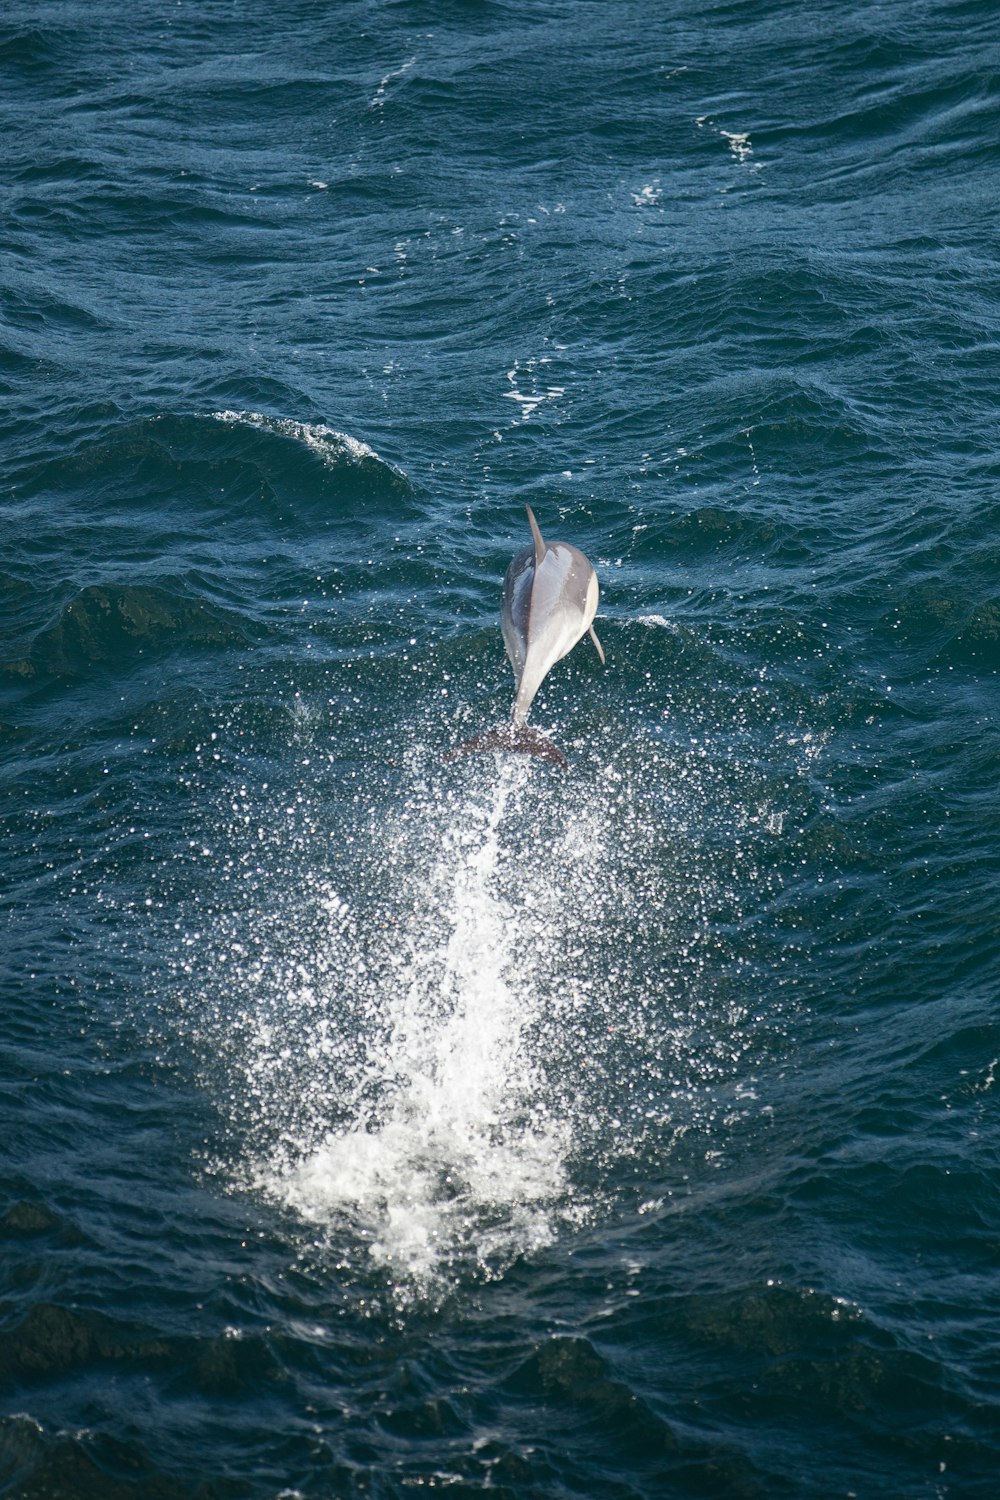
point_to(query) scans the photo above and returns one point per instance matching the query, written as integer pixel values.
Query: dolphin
(550, 597)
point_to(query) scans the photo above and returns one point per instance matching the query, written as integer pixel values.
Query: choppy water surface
(372, 1124)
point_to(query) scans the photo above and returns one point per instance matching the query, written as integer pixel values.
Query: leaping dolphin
(550, 597)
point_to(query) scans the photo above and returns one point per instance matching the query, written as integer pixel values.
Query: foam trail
(453, 1154)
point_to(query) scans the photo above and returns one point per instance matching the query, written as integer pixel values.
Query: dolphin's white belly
(563, 602)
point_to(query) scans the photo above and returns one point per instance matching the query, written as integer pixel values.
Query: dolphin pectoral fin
(536, 537)
(599, 648)
(515, 739)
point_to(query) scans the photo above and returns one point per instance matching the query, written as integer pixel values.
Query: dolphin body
(550, 597)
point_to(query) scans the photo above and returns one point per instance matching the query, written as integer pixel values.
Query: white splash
(449, 1150)
(436, 1023)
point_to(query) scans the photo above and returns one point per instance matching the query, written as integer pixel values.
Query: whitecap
(329, 444)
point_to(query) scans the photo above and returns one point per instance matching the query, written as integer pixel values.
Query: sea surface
(373, 1125)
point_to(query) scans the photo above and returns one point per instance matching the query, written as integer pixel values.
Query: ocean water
(372, 1125)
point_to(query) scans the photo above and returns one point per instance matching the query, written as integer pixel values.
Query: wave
(179, 527)
(188, 448)
(332, 447)
(105, 625)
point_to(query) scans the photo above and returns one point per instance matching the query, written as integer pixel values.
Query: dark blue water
(372, 1125)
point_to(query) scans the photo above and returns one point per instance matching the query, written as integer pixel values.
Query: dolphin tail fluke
(515, 739)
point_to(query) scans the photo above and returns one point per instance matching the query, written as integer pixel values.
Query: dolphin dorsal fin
(536, 536)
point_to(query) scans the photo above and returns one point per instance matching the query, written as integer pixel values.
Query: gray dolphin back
(515, 607)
